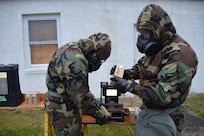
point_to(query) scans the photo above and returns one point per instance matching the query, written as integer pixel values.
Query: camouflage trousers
(64, 115)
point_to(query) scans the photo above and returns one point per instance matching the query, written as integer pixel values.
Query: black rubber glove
(98, 103)
(127, 74)
(124, 85)
(112, 70)
(102, 121)
(120, 84)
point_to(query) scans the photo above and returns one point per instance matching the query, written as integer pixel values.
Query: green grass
(31, 122)
(110, 130)
(195, 103)
(21, 123)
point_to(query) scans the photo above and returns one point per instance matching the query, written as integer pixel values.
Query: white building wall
(81, 18)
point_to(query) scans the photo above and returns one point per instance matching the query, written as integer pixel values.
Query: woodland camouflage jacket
(164, 79)
(67, 72)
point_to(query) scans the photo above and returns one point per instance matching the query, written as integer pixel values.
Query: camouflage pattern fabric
(164, 79)
(67, 76)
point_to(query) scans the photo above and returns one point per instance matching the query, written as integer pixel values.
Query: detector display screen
(111, 92)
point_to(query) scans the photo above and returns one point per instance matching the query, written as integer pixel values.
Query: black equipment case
(10, 92)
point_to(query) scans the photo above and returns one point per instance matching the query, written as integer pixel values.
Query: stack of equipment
(111, 95)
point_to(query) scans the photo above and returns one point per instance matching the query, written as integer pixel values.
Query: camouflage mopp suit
(164, 78)
(67, 83)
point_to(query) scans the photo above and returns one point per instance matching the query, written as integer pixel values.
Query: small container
(32, 98)
(137, 111)
(132, 116)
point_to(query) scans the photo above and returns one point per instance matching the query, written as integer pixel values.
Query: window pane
(41, 54)
(42, 30)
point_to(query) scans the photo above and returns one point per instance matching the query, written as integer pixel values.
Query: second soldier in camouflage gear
(165, 74)
(67, 83)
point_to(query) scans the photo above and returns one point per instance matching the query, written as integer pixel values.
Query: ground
(194, 125)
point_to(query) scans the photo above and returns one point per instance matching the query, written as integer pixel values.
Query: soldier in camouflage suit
(67, 83)
(165, 74)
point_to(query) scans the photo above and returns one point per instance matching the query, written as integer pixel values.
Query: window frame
(27, 53)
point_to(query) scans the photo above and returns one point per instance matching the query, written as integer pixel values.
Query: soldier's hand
(124, 85)
(112, 70)
(120, 84)
(103, 120)
(98, 103)
(127, 74)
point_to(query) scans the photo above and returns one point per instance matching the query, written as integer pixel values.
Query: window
(41, 38)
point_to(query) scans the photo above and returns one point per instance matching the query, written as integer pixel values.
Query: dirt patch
(194, 125)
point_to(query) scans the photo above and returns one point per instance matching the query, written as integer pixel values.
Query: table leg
(46, 121)
(85, 129)
(51, 128)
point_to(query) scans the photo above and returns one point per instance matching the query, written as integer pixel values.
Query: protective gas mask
(148, 45)
(95, 64)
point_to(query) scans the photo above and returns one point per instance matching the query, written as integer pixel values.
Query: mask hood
(96, 46)
(156, 20)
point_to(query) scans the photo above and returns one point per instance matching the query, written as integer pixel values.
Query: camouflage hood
(96, 46)
(155, 19)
